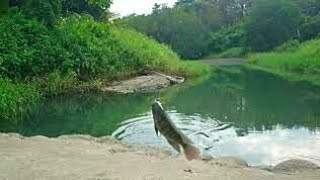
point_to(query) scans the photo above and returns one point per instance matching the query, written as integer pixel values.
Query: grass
(236, 52)
(142, 52)
(303, 64)
(16, 99)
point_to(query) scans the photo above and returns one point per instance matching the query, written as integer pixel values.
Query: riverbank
(84, 157)
(75, 54)
(301, 63)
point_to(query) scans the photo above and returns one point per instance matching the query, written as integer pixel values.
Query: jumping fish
(174, 136)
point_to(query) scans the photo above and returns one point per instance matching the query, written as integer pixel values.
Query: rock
(229, 162)
(144, 83)
(295, 165)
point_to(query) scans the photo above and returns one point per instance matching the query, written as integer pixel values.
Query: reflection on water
(215, 138)
(249, 114)
(94, 114)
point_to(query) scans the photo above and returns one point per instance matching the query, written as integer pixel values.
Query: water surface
(249, 114)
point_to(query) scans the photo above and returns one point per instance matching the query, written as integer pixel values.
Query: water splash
(216, 138)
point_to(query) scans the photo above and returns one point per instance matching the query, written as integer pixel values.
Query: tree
(186, 27)
(44, 10)
(185, 2)
(308, 7)
(96, 8)
(233, 11)
(310, 28)
(4, 6)
(271, 22)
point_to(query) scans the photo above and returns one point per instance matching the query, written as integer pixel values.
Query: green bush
(16, 99)
(27, 47)
(291, 45)
(228, 38)
(46, 11)
(90, 47)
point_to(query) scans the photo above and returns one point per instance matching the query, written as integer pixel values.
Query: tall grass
(140, 52)
(301, 64)
(16, 99)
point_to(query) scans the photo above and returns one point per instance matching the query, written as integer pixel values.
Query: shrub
(291, 45)
(27, 47)
(16, 99)
(227, 38)
(89, 45)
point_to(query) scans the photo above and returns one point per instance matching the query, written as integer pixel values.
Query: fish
(164, 126)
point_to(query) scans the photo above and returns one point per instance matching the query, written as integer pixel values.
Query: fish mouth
(157, 103)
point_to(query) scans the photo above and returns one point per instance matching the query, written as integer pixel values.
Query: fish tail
(191, 152)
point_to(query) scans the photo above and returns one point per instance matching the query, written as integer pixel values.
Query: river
(248, 114)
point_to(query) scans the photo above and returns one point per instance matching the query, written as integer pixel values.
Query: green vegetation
(16, 99)
(188, 26)
(234, 52)
(236, 28)
(198, 28)
(51, 47)
(143, 52)
(228, 38)
(270, 23)
(56, 47)
(301, 64)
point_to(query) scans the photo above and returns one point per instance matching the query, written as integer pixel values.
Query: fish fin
(191, 152)
(157, 131)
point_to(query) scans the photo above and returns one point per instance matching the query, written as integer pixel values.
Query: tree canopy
(272, 22)
(196, 28)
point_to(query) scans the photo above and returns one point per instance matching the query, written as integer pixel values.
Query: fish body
(164, 125)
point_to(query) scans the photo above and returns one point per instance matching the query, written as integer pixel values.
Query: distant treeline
(197, 28)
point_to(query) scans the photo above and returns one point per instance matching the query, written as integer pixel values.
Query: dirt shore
(84, 157)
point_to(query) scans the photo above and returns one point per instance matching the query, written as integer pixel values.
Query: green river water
(248, 114)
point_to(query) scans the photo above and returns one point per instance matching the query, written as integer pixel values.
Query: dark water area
(248, 114)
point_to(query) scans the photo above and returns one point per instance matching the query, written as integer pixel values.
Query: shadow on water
(237, 112)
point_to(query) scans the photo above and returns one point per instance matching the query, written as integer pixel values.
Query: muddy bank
(146, 82)
(84, 157)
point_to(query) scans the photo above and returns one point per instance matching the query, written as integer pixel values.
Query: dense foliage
(310, 28)
(271, 23)
(186, 29)
(196, 28)
(226, 38)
